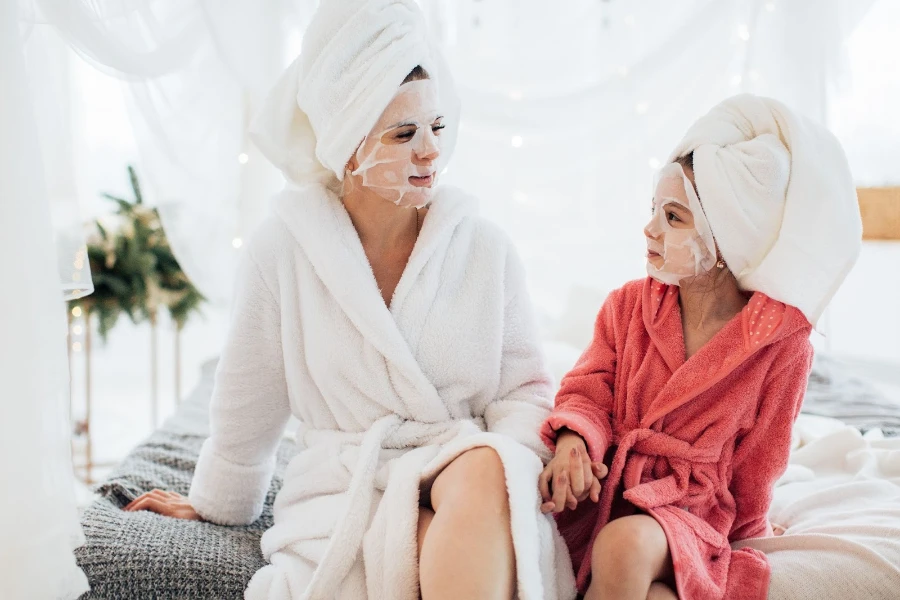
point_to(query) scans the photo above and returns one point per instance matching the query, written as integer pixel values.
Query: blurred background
(567, 110)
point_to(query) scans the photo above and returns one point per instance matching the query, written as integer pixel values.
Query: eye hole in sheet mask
(685, 251)
(396, 160)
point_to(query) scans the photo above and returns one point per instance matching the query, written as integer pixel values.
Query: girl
(684, 402)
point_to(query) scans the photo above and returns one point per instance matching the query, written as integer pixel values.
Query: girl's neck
(711, 300)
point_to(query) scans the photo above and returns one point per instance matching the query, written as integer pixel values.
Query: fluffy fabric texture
(386, 397)
(777, 191)
(355, 55)
(698, 444)
(840, 503)
(144, 556)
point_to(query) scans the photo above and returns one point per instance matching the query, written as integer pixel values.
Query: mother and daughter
(394, 323)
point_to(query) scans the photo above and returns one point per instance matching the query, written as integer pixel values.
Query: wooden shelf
(880, 210)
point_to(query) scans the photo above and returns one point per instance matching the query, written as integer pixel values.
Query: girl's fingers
(577, 472)
(586, 467)
(571, 501)
(560, 490)
(547, 507)
(544, 483)
(600, 470)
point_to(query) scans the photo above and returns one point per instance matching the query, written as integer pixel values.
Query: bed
(840, 502)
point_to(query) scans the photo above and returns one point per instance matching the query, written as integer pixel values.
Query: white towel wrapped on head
(354, 57)
(779, 197)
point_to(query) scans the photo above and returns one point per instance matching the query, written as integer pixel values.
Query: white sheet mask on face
(685, 252)
(386, 167)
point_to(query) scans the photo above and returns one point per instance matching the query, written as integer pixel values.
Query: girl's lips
(422, 181)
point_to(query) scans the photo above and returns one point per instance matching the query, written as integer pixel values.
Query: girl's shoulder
(629, 296)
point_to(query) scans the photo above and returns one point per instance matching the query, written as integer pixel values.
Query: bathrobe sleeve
(761, 455)
(524, 396)
(248, 411)
(584, 403)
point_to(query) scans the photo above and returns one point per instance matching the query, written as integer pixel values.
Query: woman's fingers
(155, 493)
(151, 504)
(594, 492)
(560, 490)
(600, 470)
(571, 501)
(576, 471)
(547, 507)
(544, 483)
(131, 504)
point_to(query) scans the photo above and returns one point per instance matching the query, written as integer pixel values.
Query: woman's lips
(422, 181)
(651, 254)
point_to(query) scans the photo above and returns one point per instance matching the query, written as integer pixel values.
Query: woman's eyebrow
(677, 208)
(403, 124)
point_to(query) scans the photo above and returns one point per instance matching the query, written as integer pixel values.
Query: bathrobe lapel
(317, 219)
(730, 347)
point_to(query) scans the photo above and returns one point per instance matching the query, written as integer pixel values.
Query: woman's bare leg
(425, 517)
(630, 554)
(467, 550)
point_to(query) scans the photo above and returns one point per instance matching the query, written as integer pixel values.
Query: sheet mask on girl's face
(685, 252)
(410, 128)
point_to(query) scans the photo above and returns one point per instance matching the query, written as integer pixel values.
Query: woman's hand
(168, 504)
(570, 477)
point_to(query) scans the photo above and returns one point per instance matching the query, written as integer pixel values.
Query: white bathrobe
(386, 397)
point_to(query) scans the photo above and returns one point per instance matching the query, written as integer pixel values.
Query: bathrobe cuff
(227, 493)
(594, 437)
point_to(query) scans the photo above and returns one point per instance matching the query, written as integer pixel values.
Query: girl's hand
(168, 504)
(570, 477)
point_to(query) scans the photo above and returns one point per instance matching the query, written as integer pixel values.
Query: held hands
(168, 504)
(570, 477)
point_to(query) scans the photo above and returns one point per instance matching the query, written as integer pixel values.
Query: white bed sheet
(840, 503)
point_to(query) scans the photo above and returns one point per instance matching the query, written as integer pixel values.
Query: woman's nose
(429, 149)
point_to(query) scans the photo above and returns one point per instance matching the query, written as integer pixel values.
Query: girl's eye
(406, 134)
(437, 128)
(673, 217)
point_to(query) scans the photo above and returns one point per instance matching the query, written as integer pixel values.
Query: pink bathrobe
(696, 444)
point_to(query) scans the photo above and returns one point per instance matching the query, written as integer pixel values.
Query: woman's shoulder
(472, 225)
(269, 242)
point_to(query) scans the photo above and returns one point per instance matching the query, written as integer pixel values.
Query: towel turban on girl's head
(354, 57)
(777, 192)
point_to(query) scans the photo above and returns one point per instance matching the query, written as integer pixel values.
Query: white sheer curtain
(195, 71)
(37, 506)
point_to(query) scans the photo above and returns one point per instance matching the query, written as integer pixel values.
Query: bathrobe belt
(391, 431)
(672, 489)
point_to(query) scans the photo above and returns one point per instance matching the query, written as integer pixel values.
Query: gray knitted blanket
(142, 555)
(834, 392)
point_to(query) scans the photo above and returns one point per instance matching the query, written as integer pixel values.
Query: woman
(395, 324)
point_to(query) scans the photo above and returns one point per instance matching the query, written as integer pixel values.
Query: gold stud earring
(720, 264)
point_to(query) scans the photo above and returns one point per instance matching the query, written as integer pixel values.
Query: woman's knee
(474, 483)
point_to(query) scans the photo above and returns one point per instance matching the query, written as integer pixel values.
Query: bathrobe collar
(321, 225)
(761, 323)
